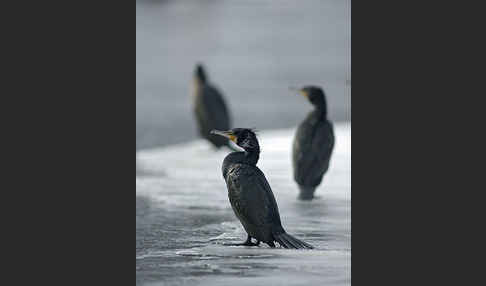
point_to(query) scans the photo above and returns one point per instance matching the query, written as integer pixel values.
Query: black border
(70, 117)
(70, 95)
(415, 127)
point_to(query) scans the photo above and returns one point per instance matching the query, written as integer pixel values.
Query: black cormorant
(250, 194)
(313, 144)
(209, 108)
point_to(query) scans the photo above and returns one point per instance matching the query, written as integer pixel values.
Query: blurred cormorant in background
(210, 108)
(313, 144)
(250, 194)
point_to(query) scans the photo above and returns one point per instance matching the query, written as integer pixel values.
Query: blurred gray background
(253, 51)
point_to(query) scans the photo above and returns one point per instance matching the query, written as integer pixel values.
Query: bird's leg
(246, 243)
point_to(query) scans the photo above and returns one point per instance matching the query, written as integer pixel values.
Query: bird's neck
(321, 111)
(198, 83)
(249, 157)
(252, 156)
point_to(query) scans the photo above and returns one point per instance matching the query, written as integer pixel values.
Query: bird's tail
(306, 193)
(288, 241)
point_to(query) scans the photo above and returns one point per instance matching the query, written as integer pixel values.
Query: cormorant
(250, 194)
(209, 108)
(313, 144)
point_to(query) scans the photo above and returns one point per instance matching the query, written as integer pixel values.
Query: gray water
(253, 50)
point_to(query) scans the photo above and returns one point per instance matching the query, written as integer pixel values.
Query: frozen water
(183, 216)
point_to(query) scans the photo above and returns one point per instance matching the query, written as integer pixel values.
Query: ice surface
(184, 216)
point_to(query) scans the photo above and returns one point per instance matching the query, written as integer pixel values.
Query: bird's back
(253, 201)
(312, 149)
(211, 113)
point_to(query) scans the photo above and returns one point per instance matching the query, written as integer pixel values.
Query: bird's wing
(251, 196)
(302, 146)
(323, 141)
(313, 147)
(216, 112)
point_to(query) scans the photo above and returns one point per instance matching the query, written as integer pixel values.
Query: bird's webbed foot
(246, 243)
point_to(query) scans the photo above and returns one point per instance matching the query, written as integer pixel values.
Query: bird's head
(314, 94)
(243, 137)
(200, 73)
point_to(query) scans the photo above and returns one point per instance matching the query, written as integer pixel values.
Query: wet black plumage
(313, 145)
(250, 194)
(210, 108)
